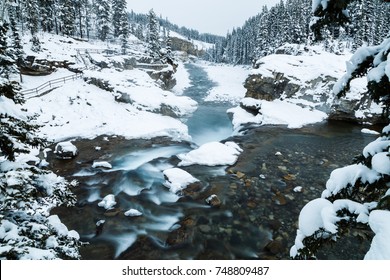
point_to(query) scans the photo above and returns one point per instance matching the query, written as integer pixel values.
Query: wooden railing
(105, 51)
(46, 87)
(52, 84)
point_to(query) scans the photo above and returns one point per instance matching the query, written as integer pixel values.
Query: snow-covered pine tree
(139, 32)
(299, 14)
(32, 10)
(121, 23)
(381, 21)
(357, 195)
(68, 17)
(102, 10)
(16, 40)
(82, 9)
(357, 24)
(119, 8)
(46, 11)
(262, 38)
(27, 193)
(153, 36)
(167, 53)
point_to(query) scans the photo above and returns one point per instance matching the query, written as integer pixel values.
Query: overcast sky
(206, 16)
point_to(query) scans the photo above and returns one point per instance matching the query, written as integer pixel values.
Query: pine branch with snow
(357, 195)
(353, 193)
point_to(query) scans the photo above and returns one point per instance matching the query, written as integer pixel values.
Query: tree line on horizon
(289, 21)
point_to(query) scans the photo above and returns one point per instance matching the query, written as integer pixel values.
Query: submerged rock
(214, 201)
(279, 199)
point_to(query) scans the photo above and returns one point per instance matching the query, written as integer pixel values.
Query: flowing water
(210, 121)
(259, 211)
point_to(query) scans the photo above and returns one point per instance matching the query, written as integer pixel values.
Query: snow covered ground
(78, 109)
(277, 112)
(81, 110)
(229, 80)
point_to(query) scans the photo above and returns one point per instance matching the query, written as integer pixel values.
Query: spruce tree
(81, 9)
(16, 40)
(119, 15)
(68, 18)
(102, 10)
(167, 55)
(32, 10)
(153, 38)
(121, 23)
(47, 14)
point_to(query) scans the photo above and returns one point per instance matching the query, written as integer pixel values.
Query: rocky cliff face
(269, 88)
(164, 77)
(178, 44)
(308, 80)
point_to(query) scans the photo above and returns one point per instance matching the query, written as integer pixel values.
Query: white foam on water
(137, 159)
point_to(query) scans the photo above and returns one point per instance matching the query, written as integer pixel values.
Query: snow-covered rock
(370, 131)
(307, 80)
(66, 150)
(214, 201)
(277, 112)
(178, 179)
(102, 164)
(133, 213)
(212, 154)
(108, 202)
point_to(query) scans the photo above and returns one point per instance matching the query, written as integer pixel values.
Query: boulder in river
(66, 150)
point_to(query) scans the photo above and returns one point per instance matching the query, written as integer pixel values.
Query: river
(260, 206)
